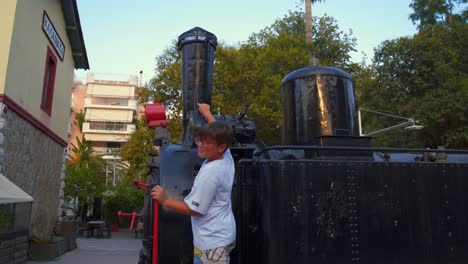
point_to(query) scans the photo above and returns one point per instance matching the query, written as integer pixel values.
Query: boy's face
(210, 149)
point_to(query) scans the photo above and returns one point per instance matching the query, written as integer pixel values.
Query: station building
(41, 43)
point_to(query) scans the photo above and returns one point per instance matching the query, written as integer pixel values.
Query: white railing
(111, 103)
(108, 128)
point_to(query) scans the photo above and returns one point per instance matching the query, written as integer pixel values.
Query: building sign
(53, 36)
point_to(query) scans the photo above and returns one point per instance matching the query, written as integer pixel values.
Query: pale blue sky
(124, 36)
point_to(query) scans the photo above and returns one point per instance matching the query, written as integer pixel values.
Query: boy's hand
(203, 108)
(159, 194)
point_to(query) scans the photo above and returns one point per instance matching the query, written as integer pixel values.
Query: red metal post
(155, 231)
(134, 215)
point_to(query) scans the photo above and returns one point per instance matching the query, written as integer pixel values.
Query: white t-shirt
(211, 197)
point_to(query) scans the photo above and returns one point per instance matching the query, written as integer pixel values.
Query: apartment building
(111, 109)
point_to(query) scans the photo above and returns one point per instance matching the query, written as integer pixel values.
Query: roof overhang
(10, 193)
(75, 34)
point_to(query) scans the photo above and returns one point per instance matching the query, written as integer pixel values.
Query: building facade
(41, 43)
(111, 109)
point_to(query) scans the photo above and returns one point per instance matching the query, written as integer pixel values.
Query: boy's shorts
(219, 255)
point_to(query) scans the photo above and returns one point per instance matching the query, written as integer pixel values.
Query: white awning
(10, 193)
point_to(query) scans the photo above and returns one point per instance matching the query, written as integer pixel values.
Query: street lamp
(408, 124)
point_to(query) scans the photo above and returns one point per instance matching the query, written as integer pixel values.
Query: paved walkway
(121, 248)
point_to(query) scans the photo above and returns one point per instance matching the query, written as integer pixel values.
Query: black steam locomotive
(325, 195)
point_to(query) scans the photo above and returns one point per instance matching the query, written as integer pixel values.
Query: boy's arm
(204, 109)
(159, 194)
(180, 207)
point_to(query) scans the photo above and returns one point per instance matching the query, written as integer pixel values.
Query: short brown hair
(217, 130)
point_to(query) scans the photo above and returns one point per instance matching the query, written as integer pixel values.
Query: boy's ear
(222, 148)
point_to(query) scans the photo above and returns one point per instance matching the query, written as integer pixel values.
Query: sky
(123, 37)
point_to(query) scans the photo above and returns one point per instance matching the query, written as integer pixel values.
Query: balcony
(111, 103)
(99, 137)
(107, 151)
(108, 128)
(109, 115)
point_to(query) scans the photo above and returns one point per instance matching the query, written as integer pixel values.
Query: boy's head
(213, 139)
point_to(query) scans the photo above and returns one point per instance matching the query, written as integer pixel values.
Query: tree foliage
(425, 77)
(85, 179)
(166, 87)
(123, 197)
(79, 119)
(431, 12)
(135, 152)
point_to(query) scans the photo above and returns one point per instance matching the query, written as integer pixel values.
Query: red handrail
(134, 215)
(141, 185)
(155, 231)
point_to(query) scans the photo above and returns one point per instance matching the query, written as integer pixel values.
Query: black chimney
(197, 48)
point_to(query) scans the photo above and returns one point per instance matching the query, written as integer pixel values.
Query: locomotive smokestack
(317, 102)
(197, 48)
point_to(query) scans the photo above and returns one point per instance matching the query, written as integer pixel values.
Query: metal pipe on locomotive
(323, 196)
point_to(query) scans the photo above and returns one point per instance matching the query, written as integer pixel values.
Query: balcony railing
(110, 151)
(111, 103)
(108, 128)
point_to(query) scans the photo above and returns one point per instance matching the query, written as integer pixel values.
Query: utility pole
(141, 77)
(313, 61)
(114, 176)
(308, 21)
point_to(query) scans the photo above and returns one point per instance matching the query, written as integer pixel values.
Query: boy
(209, 202)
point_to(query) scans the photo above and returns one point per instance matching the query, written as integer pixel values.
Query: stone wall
(35, 163)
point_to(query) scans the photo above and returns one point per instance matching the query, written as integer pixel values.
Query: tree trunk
(308, 21)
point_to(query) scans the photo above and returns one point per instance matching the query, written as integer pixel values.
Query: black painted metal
(197, 48)
(314, 204)
(244, 130)
(312, 211)
(179, 166)
(317, 101)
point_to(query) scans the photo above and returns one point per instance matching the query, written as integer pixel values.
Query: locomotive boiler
(325, 195)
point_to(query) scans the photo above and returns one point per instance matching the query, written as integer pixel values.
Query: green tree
(255, 71)
(135, 152)
(124, 197)
(431, 12)
(425, 77)
(85, 179)
(81, 151)
(79, 119)
(166, 87)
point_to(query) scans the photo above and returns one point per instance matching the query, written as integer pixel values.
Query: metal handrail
(407, 150)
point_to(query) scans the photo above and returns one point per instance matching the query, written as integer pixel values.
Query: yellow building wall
(27, 58)
(7, 17)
